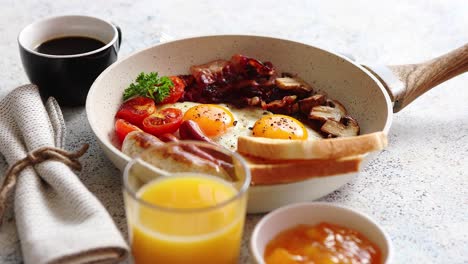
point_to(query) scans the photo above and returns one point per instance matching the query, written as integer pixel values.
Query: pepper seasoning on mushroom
(337, 123)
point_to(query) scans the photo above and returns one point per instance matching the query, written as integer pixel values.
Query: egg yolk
(280, 127)
(213, 120)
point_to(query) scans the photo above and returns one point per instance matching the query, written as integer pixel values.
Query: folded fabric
(58, 219)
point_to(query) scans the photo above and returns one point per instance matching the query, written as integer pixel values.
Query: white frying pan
(371, 94)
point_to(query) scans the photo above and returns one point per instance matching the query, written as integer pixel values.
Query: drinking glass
(186, 203)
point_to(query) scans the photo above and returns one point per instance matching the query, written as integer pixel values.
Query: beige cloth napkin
(58, 219)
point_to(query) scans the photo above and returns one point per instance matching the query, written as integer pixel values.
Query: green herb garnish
(149, 85)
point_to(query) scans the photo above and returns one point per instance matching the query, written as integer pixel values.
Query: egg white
(245, 119)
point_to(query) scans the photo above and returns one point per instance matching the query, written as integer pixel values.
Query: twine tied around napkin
(35, 157)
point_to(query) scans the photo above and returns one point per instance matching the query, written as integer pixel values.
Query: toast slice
(269, 172)
(331, 149)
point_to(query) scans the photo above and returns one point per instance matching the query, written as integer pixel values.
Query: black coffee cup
(68, 77)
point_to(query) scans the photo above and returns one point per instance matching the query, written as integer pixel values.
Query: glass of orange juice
(186, 203)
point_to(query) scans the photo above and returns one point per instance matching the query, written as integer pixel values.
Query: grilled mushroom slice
(346, 127)
(292, 83)
(337, 105)
(306, 104)
(332, 111)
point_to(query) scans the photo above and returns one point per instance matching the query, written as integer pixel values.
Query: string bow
(35, 157)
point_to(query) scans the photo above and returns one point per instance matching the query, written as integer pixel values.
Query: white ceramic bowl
(314, 213)
(364, 97)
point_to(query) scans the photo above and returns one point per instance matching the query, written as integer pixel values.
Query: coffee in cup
(64, 55)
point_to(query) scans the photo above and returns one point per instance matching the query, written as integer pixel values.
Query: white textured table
(417, 188)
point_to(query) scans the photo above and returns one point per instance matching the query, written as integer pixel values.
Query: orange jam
(321, 244)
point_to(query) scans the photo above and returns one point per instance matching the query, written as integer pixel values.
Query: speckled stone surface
(416, 189)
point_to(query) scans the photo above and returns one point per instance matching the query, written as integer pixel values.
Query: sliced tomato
(176, 91)
(136, 109)
(123, 127)
(167, 120)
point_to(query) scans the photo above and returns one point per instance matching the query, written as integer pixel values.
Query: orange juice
(207, 232)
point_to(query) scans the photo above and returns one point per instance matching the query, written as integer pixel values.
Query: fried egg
(224, 123)
(280, 127)
(214, 120)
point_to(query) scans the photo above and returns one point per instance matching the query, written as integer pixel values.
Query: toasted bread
(333, 148)
(268, 172)
(336, 156)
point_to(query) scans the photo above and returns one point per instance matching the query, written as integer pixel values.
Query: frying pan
(371, 94)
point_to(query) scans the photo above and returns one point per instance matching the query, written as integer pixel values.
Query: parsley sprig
(149, 85)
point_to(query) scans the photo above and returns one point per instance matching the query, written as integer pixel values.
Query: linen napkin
(58, 219)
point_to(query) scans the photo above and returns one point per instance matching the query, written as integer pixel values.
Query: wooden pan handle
(420, 78)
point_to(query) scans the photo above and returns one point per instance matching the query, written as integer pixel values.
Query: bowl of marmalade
(319, 233)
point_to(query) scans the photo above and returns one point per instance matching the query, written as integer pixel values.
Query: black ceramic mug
(68, 77)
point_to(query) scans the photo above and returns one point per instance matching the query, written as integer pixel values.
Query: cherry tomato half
(176, 91)
(136, 109)
(123, 127)
(167, 120)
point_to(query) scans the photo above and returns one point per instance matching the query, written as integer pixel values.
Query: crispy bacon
(208, 73)
(242, 81)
